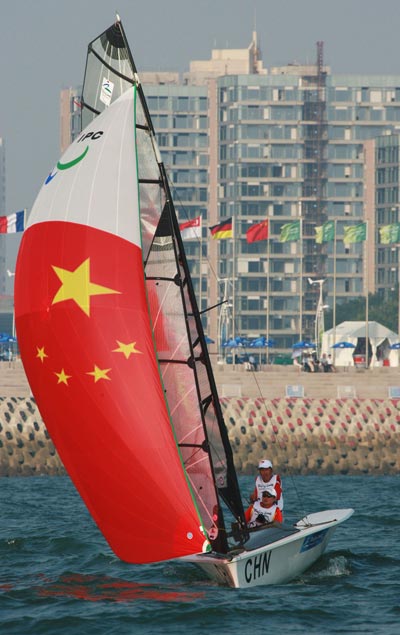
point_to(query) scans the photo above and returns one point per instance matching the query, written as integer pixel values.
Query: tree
(384, 311)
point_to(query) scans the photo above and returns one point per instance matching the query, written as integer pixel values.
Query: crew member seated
(265, 510)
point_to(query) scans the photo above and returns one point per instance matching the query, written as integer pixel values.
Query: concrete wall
(319, 433)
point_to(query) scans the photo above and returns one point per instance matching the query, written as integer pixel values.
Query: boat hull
(284, 555)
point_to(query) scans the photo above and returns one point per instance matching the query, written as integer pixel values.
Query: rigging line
(281, 442)
(200, 242)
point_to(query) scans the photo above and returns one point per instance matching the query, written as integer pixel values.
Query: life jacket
(262, 486)
(269, 513)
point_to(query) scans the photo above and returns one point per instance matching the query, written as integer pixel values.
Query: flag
(354, 233)
(191, 228)
(390, 234)
(256, 232)
(222, 230)
(290, 231)
(325, 232)
(12, 223)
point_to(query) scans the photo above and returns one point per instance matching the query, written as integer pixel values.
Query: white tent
(379, 352)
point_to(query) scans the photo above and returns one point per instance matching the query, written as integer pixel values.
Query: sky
(43, 47)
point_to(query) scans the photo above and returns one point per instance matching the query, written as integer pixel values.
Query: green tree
(384, 311)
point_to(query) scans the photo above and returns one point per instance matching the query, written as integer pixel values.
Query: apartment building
(285, 144)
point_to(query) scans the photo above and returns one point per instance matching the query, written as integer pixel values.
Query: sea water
(59, 577)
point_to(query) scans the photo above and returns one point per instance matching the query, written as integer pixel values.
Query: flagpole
(233, 287)
(301, 282)
(334, 291)
(366, 298)
(201, 265)
(398, 284)
(268, 292)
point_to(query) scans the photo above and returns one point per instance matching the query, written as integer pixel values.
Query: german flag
(222, 230)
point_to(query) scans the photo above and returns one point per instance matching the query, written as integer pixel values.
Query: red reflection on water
(99, 588)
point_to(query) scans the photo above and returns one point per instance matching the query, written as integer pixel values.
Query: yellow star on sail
(99, 373)
(63, 377)
(126, 349)
(76, 285)
(40, 353)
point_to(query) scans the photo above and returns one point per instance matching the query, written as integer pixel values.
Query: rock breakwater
(308, 436)
(301, 436)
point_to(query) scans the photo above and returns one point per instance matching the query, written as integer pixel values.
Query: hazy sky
(43, 49)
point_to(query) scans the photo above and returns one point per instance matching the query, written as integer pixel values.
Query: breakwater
(315, 436)
(300, 435)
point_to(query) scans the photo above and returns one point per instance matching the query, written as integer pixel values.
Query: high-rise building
(2, 177)
(286, 144)
(382, 178)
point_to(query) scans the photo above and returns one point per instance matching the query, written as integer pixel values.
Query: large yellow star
(63, 377)
(126, 349)
(99, 373)
(40, 353)
(76, 285)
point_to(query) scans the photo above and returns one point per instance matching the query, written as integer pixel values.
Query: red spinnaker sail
(86, 342)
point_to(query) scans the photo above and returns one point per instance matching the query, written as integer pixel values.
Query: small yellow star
(99, 373)
(40, 353)
(126, 349)
(62, 377)
(76, 285)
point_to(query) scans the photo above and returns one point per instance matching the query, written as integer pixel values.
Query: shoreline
(320, 433)
(299, 435)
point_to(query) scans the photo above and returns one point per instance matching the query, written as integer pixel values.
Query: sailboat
(112, 343)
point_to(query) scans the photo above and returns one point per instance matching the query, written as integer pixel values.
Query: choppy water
(58, 576)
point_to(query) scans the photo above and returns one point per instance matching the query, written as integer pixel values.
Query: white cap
(265, 463)
(271, 491)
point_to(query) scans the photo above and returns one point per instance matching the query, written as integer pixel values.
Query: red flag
(256, 232)
(191, 228)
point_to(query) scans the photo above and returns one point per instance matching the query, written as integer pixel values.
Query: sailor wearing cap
(265, 510)
(265, 480)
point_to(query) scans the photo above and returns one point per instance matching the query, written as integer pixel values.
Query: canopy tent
(380, 339)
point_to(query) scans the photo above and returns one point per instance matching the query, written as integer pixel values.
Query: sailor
(266, 510)
(264, 481)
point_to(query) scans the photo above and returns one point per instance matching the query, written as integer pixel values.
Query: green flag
(290, 231)
(390, 234)
(325, 232)
(355, 233)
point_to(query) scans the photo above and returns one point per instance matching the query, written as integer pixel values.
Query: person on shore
(266, 480)
(324, 363)
(265, 510)
(253, 364)
(331, 367)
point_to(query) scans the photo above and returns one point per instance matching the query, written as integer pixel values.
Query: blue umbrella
(395, 346)
(261, 342)
(343, 345)
(232, 343)
(6, 338)
(304, 344)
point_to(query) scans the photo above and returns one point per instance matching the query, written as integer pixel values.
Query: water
(58, 576)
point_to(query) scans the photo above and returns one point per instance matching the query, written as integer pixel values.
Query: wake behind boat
(112, 343)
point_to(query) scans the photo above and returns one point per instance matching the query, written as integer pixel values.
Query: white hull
(273, 555)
